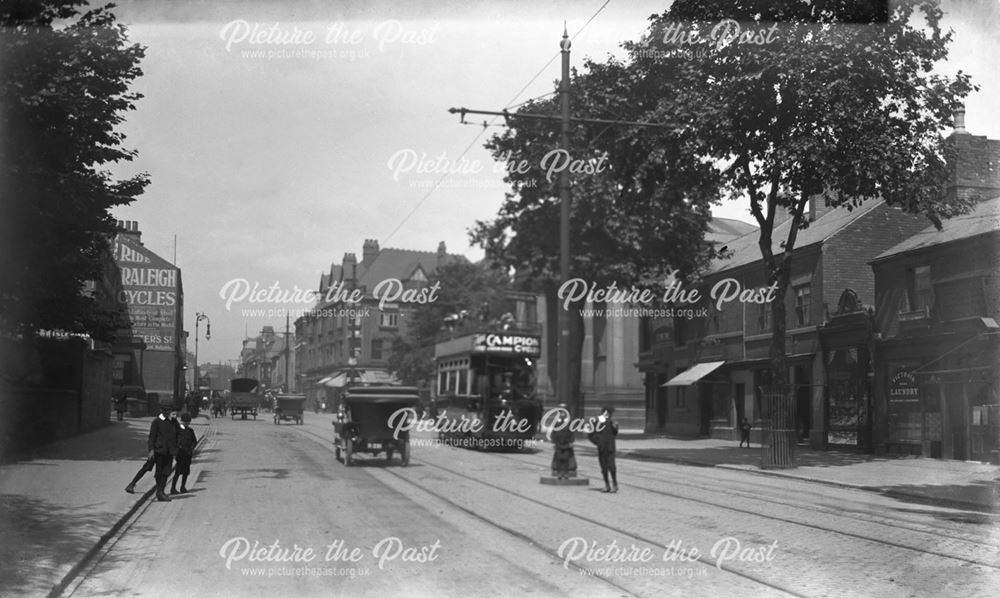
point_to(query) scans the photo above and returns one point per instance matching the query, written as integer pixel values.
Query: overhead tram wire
(484, 126)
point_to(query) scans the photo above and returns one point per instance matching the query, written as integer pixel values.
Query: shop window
(680, 399)
(803, 304)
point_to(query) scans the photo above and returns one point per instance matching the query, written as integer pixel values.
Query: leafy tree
(830, 98)
(640, 201)
(469, 295)
(64, 87)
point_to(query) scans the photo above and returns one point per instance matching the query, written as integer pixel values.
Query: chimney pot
(960, 118)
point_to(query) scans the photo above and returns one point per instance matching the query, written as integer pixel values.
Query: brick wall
(976, 167)
(847, 253)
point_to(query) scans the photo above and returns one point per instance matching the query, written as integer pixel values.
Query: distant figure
(121, 403)
(745, 432)
(603, 435)
(186, 441)
(563, 457)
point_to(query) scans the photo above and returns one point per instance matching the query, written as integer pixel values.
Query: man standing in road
(162, 449)
(603, 435)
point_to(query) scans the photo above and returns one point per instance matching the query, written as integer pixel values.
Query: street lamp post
(208, 336)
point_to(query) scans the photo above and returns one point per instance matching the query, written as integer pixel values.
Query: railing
(778, 428)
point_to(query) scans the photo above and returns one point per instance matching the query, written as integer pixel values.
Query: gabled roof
(984, 218)
(131, 252)
(399, 263)
(744, 250)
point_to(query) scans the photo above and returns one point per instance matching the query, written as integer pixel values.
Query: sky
(278, 136)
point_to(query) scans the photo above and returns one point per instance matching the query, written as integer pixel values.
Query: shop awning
(338, 381)
(697, 372)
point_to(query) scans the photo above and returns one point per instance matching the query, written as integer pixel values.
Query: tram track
(752, 491)
(549, 551)
(934, 534)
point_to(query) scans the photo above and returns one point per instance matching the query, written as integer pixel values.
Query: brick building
(936, 372)
(703, 372)
(150, 356)
(343, 337)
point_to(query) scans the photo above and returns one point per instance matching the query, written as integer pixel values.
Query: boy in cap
(186, 441)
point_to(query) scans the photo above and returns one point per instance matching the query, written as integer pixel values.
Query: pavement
(968, 485)
(61, 504)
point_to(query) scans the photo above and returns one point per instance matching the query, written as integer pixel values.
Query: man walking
(162, 449)
(603, 435)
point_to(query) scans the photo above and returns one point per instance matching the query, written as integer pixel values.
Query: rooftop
(984, 218)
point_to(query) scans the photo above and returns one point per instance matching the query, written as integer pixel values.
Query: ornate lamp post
(208, 336)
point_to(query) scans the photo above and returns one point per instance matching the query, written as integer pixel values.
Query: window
(680, 399)
(376, 348)
(919, 292)
(764, 317)
(803, 304)
(389, 319)
(463, 381)
(680, 330)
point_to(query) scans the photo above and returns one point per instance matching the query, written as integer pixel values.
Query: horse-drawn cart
(244, 398)
(371, 419)
(289, 407)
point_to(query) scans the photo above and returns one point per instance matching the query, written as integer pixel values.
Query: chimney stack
(960, 118)
(350, 266)
(129, 228)
(369, 252)
(442, 254)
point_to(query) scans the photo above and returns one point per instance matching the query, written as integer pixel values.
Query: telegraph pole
(288, 384)
(564, 386)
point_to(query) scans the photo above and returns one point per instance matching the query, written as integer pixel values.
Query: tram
(487, 377)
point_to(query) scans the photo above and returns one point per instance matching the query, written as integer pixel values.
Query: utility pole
(288, 384)
(563, 390)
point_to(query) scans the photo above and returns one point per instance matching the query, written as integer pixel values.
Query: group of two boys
(169, 441)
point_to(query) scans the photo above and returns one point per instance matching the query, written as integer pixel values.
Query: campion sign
(150, 290)
(507, 344)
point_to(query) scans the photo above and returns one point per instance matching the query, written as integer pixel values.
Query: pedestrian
(163, 448)
(120, 404)
(186, 441)
(146, 467)
(604, 430)
(745, 432)
(563, 457)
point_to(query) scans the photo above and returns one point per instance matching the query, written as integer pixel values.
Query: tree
(64, 88)
(640, 202)
(469, 294)
(831, 98)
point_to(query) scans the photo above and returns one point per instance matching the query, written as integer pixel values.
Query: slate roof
(745, 250)
(983, 219)
(389, 263)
